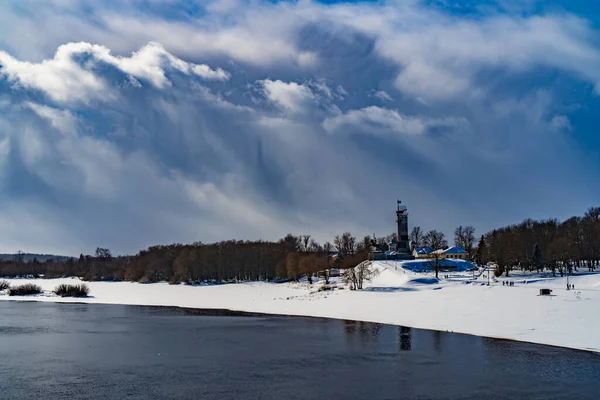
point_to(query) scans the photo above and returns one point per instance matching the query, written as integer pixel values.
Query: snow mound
(394, 275)
(390, 277)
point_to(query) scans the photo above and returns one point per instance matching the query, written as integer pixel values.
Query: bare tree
(437, 241)
(314, 246)
(306, 266)
(465, 237)
(381, 244)
(417, 237)
(103, 253)
(365, 272)
(304, 243)
(350, 278)
(345, 244)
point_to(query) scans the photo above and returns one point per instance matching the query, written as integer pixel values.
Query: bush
(24, 290)
(65, 290)
(4, 285)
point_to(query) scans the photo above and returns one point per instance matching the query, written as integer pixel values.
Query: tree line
(227, 261)
(546, 245)
(530, 245)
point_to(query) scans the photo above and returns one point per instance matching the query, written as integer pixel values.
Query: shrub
(65, 290)
(24, 290)
(4, 285)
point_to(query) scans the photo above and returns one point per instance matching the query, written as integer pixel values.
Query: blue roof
(455, 250)
(420, 265)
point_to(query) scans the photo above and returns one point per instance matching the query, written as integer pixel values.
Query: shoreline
(223, 312)
(516, 313)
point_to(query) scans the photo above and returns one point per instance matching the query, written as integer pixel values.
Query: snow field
(397, 296)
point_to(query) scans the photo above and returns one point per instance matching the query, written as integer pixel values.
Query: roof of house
(423, 250)
(455, 250)
(451, 250)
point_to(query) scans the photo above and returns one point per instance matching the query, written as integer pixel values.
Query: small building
(422, 252)
(451, 252)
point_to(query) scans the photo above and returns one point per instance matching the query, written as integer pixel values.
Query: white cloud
(381, 95)
(260, 37)
(65, 79)
(207, 161)
(292, 97)
(373, 120)
(62, 120)
(438, 55)
(440, 58)
(61, 78)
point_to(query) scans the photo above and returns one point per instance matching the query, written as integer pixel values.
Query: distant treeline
(227, 261)
(531, 245)
(544, 245)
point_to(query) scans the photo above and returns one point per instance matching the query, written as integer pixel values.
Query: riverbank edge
(226, 312)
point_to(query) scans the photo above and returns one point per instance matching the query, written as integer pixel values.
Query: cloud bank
(128, 124)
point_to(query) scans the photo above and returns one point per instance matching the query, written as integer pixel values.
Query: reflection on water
(437, 341)
(404, 338)
(366, 331)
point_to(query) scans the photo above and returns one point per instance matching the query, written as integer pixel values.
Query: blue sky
(129, 123)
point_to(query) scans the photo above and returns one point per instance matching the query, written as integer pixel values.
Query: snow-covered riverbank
(397, 296)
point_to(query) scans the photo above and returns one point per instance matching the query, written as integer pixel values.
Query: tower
(403, 246)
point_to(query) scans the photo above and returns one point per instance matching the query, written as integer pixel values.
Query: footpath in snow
(400, 296)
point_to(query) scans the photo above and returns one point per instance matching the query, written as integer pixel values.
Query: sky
(131, 123)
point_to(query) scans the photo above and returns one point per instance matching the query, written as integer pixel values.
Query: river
(109, 351)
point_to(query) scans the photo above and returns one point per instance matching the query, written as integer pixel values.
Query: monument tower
(403, 245)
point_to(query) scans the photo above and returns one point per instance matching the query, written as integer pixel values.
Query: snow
(455, 302)
(453, 250)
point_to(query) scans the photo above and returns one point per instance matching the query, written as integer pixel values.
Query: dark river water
(60, 351)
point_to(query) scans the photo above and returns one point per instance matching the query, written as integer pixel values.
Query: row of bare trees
(530, 245)
(544, 245)
(289, 258)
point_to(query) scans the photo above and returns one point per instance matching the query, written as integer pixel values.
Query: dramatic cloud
(70, 74)
(135, 123)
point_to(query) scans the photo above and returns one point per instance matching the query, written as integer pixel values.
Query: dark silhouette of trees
(435, 239)
(417, 237)
(551, 245)
(481, 255)
(465, 237)
(103, 253)
(532, 245)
